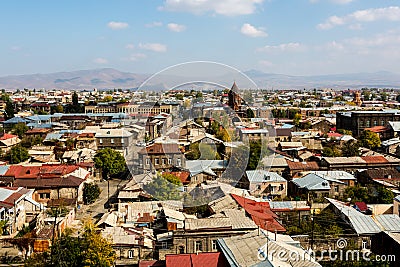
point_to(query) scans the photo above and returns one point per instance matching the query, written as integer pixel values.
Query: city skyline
(307, 37)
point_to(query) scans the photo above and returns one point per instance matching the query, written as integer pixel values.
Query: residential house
(7, 141)
(297, 169)
(50, 181)
(342, 176)
(17, 208)
(160, 157)
(118, 139)
(130, 244)
(260, 249)
(265, 183)
(354, 163)
(387, 177)
(200, 235)
(316, 187)
(209, 259)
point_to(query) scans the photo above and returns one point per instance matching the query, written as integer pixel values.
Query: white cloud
(136, 57)
(342, 2)
(281, 47)
(155, 47)
(154, 24)
(130, 46)
(221, 7)
(250, 30)
(367, 15)
(15, 48)
(176, 27)
(117, 25)
(100, 60)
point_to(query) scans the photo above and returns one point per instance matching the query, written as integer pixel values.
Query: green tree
(91, 192)
(369, 140)
(161, 189)
(356, 194)
(351, 149)
(331, 152)
(297, 119)
(250, 113)
(20, 129)
(384, 196)
(111, 162)
(172, 178)
(57, 109)
(17, 154)
(89, 250)
(9, 110)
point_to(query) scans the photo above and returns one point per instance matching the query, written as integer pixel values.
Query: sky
(293, 37)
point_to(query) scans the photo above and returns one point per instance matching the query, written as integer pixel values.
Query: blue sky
(296, 37)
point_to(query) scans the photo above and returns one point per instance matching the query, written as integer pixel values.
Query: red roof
(209, 259)
(152, 263)
(334, 135)
(375, 159)
(7, 136)
(311, 165)
(44, 171)
(260, 213)
(361, 206)
(161, 149)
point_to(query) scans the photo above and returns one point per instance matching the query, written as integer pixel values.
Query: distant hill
(110, 78)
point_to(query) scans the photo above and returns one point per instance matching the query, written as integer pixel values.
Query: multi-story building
(357, 121)
(160, 157)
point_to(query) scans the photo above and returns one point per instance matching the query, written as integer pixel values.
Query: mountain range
(109, 78)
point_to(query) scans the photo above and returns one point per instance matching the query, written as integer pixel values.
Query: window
(181, 249)
(112, 141)
(147, 161)
(130, 254)
(214, 245)
(178, 162)
(336, 188)
(157, 161)
(169, 161)
(383, 123)
(198, 246)
(281, 187)
(122, 140)
(100, 141)
(164, 161)
(375, 123)
(367, 123)
(44, 195)
(164, 245)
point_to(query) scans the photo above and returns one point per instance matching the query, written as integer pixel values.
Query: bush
(91, 192)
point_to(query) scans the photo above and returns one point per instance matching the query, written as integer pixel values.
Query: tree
(57, 109)
(369, 140)
(356, 194)
(171, 178)
(351, 149)
(20, 129)
(9, 111)
(90, 193)
(331, 152)
(89, 250)
(108, 98)
(161, 189)
(384, 196)
(250, 113)
(111, 162)
(17, 154)
(296, 119)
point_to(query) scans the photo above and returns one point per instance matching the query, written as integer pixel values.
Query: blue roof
(40, 117)
(53, 136)
(16, 120)
(70, 131)
(312, 182)
(287, 126)
(40, 125)
(4, 169)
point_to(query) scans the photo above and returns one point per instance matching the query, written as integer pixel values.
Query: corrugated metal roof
(259, 176)
(389, 222)
(312, 182)
(4, 169)
(5, 193)
(364, 224)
